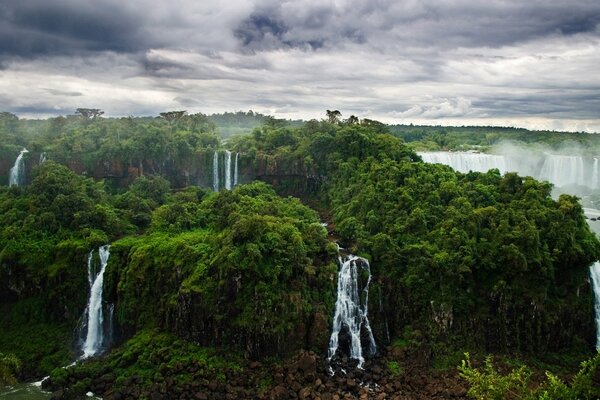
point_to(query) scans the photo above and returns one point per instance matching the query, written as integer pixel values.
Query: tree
(89, 113)
(353, 120)
(172, 115)
(333, 117)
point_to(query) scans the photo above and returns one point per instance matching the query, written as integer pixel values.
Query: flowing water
(95, 340)
(229, 175)
(17, 172)
(227, 170)
(351, 310)
(24, 391)
(216, 171)
(235, 174)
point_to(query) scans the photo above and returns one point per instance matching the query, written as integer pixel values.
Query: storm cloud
(532, 64)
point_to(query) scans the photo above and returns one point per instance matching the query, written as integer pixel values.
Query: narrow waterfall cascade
(227, 170)
(17, 172)
(466, 161)
(595, 278)
(216, 171)
(351, 310)
(43, 158)
(564, 170)
(236, 170)
(95, 339)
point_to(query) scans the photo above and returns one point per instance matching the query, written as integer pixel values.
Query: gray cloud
(413, 60)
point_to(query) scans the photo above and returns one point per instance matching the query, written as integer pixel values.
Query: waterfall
(235, 173)
(595, 278)
(563, 170)
(95, 320)
(42, 158)
(227, 170)
(216, 171)
(466, 161)
(351, 312)
(17, 172)
(560, 170)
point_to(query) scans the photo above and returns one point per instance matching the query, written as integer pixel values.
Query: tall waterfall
(17, 172)
(42, 157)
(235, 173)
(351, 310)
(95, 339)
(595, 277)
(216, 171)
(227, 170)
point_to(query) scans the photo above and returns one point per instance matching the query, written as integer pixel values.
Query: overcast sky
(533, 63)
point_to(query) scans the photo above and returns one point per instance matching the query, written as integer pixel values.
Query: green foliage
(9, 367)
(431, 138)
(487, 383)
(395, 368)
(148, 359)
(463, 250)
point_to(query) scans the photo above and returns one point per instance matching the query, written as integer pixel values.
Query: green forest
(231, 294)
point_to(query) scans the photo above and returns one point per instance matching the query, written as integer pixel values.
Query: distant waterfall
(465, 162)
(560, 170)
(595, 277)
(563, 170)
(216, 171)
(95, 340)
(351, 309)
(227, 170)
(17, 172)
(235, 174)
(42, 158)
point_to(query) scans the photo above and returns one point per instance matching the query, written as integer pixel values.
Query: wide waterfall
(466, 161)
(216, 171)
(560, 170)
(227, 170)
(595, 278)
(95, 340)
(351, 310)
(17, 172)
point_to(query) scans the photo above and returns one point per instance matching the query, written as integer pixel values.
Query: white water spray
(349, 311)
(595, 278)
(216, 171)
(95, 328)
(17, 172)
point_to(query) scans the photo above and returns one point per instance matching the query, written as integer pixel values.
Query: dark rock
(279, 392)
